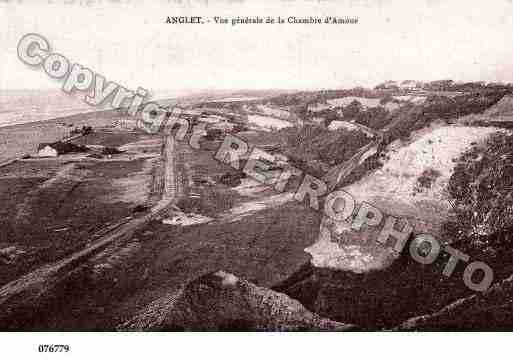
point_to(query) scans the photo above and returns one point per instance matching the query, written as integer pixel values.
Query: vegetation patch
(483, 201)
(309, 143)
(426, 179)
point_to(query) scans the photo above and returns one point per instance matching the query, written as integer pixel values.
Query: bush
(426, 179)
(214, 134)
(111, 151)
(311, 143)
(481, 190)
(414, 117)
(85, 130)
(232, 179)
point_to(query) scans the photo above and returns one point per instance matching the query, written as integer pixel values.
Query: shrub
(427, 178)
(481, 190)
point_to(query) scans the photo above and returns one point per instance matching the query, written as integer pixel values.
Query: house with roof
(408, 85)
(58, 148)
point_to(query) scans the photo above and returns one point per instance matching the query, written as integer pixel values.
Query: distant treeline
(387, 88)
(414, 117)
(312, 142)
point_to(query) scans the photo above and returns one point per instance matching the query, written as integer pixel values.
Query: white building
(408, 84)
(47, 151)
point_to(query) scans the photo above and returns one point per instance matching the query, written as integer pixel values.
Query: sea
(23, 106)
(25, 118)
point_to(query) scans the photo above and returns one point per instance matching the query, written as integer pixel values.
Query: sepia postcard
(254, 166)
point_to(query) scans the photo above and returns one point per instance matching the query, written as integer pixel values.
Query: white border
(256, 345)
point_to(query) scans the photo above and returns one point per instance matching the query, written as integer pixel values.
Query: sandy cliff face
(411, 186)
(354, 279)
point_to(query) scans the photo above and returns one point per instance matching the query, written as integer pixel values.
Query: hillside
(503, 108)
(221, 301)
(408, 154)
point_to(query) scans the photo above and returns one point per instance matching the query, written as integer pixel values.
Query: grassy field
(54, 206)
(265, 248)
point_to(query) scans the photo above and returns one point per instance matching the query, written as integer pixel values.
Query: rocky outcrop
(221, 301)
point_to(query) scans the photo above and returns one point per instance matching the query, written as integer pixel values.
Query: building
(387, 85)
(46, 151)
(58, 148)
(408, 85)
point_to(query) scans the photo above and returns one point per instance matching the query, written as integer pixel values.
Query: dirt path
(21, 297)
(50, 284)
(250, 208)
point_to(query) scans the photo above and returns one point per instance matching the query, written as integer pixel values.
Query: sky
(130, 43)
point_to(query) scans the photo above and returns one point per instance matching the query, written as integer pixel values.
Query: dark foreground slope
(221, 301)
(481, 226)
(483, 202)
